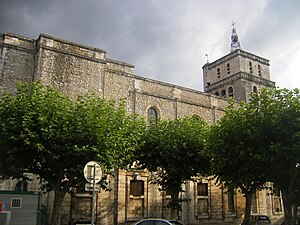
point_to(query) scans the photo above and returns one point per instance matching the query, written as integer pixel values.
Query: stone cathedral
(76, 69)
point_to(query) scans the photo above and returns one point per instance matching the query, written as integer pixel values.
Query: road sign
(93, 172)
(89, 187)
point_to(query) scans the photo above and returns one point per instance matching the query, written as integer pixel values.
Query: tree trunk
(116, 195)
(59, 195)
(288, 204)
(72, 206)
(175, 205)
(248, 192)
(247, 213)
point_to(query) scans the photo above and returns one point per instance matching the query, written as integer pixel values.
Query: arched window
(223, 93)
(254, 89)
(217, 93)
(21, 186)
(196, 117)
(151, 116)
(230, 91)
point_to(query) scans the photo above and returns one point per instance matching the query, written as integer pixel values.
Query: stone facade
(237, 75)
(75, 69)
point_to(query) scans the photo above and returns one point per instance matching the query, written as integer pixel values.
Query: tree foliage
(174, 149)
(258, 142)
(285, 149)
(47, 133)
(238, 145)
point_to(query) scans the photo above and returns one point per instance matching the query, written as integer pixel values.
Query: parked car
(157, 222)
(260, 220)
(81, 223)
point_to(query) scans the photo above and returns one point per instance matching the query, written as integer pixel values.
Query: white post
(93, 196)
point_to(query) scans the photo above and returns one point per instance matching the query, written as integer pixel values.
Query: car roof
(153, 219)
(158, 219)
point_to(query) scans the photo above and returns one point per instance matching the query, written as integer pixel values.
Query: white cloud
(285, 67)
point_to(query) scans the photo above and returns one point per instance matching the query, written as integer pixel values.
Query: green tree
(285, 149)
(174, 149)
(238, 144)
(46, 133)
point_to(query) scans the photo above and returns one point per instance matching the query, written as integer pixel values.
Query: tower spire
(235, 44)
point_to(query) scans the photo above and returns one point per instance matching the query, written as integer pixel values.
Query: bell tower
(237, 74)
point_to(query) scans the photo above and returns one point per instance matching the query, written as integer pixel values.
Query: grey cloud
(165, 40)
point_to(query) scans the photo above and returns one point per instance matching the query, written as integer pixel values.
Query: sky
(168, 40)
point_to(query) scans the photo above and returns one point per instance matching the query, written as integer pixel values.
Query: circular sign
(93, 172)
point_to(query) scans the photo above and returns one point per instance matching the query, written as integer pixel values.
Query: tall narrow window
(228, 68)
(202, 199)
(259, 70)
(250, 67)
(219, 72)
(254, 89)
(230, 91)
(230, 196)
(254, 203)
(277, 201)
(151, 116)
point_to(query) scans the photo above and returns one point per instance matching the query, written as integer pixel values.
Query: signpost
(93, 174)
(89, 187)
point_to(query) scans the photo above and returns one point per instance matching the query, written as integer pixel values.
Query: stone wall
(16, 60)
(71, 68)
(78, 69)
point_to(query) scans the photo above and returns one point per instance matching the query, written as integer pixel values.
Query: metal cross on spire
(235, 44)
